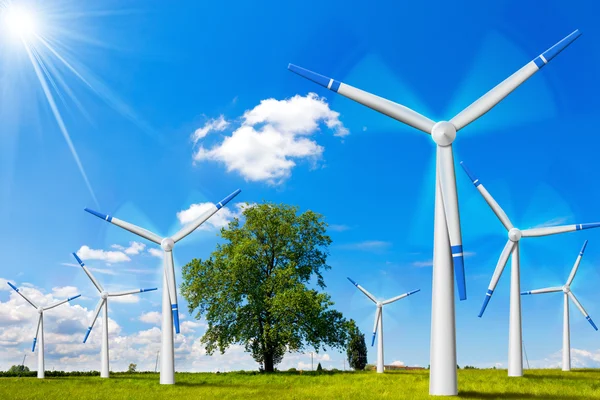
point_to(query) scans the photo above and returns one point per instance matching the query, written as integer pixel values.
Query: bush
(370, 367)
(356, 349)
(292, 370)
(132, 368)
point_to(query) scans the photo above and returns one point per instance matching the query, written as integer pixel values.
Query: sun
(20, 22)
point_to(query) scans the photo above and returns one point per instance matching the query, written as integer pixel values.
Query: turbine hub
(443, 133)
(40, 310)
(566, 289)
(514, 235)
(379, 304)
(104, 295)
(167, 244)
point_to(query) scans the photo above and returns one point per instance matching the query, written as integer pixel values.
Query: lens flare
(20, 22)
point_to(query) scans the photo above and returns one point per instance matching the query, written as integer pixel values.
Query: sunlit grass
(473, 384)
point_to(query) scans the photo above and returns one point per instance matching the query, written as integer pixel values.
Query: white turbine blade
(384, 106)
(186, 230)
(486, 102)
(577, 261)
(585, 314)
(362, 289)
(497, 273)
(22, 295)
(89, 274)
(552, 230)
(146, 234)
(445, 168)
(133, 291)
(170, 272)
(546, 290)
(96, 312)
(37, 331)
(58, 303)
(393, 299)
(489, 199)
(377, 316)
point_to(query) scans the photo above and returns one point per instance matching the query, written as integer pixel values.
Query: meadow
(473, 384)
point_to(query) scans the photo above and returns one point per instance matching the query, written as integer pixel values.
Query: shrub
(319, 368)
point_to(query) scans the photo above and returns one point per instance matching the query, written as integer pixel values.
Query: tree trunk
(268, 361)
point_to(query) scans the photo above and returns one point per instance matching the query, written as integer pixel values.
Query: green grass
(473, 384)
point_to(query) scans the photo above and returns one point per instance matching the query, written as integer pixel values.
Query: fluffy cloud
(152, 317)
(217, 221)
(85, 253)
(272, 135)
(398, 363)
(218, 124)
(133, 249)
(64, 292)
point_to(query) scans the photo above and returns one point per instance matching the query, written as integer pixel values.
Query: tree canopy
(357, 348)
(255, 289)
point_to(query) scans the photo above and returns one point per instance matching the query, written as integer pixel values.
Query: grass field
(473, 384)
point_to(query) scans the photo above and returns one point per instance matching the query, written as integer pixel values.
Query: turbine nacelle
(514, 235)
(443, 133)
(167, 244)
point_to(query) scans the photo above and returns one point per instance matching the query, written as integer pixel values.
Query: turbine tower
(40, 327)
(170, 309)
(447, 241)
(511, 249)
(103, 305)
(379, 320)
(566, 289)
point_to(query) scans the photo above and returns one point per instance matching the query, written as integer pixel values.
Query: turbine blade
(377, 316)
(508, 247)
(362, 289)
(58, 303)
(450, 199)
(576, 266)
(546, 290)
(384, 106)
(22, 295)
(146, 234)
(96, 312)
(486, 102)
(489, 199)
(552, 230)
(133, 291)
(37, 331)
(170, 272)
(191, 227)
(89, 274)
(585, 314)
(393, 299)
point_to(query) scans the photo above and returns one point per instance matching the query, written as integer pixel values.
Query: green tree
(319, 368)
(132, 368)
(357, 348)
(253, 289)
(18, 369)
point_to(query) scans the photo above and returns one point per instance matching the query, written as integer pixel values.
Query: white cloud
(429, 263)
(152, 317)
(98, 270)
(218, 124)
(155, 252)
(4, 285)
(217, 221)
(398, 363)
(368, 245)
(338, 228)
(85, 253)
(273, 135)
(64, 292)
(579, 359)
(135, 248)
(553, 222)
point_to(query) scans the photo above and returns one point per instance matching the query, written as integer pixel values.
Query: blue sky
(161, 73)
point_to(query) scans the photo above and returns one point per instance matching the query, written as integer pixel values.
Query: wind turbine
(447, 241)
(379, 320)
(515, 352)
(103, 305)
(566, 289)
(170, 313)
(40, 327)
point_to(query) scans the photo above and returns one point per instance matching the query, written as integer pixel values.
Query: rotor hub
(566, 289)
(379, 304)
(443, 133)
(167, 244)
(514, 235)
(40, 310)
(104, 295)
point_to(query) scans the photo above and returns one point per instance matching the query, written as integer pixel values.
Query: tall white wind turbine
(103, 305)
(511, 249)
(39, 333)
(170, 310)
(447, 241)
(566, 289)
(378, 327)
